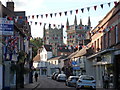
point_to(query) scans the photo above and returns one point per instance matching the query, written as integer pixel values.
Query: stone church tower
(76, 34)
(53, 36)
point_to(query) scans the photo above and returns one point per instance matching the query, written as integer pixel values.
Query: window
(98, 45)
(116, 34)
(105, 43)
(95, 45)
(109, 38)
(55, 62)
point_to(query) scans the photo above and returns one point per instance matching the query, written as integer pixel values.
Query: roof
(82, 52)
(72, 54)
(48, 47)
(54, 58)
(37, 58)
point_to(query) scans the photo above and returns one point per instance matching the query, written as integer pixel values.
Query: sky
(42, 7)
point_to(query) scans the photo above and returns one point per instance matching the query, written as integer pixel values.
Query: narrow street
(47, 82)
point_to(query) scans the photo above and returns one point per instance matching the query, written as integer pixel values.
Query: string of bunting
(71, 11)
(104, 30)
(21, 19)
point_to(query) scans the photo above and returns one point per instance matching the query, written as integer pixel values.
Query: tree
(37, 42)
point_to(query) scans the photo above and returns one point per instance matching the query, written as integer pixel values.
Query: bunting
(77, 10)
(60, 14)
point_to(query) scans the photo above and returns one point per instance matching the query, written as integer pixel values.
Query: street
(47, 82)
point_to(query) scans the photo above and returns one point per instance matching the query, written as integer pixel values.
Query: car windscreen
(88, 78)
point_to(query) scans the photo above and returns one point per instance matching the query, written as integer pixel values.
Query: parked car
(71, 81)
(53, 75)
(61, 77)
(86, 81)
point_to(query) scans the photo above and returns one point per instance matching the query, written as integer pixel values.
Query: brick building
(105, 41)
(16, 42)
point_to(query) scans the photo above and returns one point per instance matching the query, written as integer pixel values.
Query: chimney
(10, 5)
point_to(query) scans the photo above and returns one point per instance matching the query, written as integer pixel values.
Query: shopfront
(116, 69)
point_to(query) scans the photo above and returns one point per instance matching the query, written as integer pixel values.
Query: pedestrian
(106, 81)
(36, 76)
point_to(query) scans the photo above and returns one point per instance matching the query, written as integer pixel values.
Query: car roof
(73, 76)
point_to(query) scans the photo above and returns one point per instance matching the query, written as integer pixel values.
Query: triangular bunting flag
(62, 26)
(41, 16)
(101, 6)
(20, 17)
(46, 15)
(28, 17)
(32, 16)
(37, 16)
(35, 23)
(51, 15)
(49, 25)
(40, 23)
(76, 11)
(88, 8)
(60, 13)
(71, 12)
(26, 21)
(109, 4)
(95, 7)
(115, 2)
(55, 14)
(54, 25)
(82, 10)
(31, 22)
(65, 13)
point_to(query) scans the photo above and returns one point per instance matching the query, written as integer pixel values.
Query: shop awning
(101, 52)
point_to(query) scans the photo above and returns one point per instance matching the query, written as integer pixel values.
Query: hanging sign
(6, 27)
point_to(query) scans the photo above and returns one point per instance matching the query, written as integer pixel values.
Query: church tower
(89, 22)
(67, 24)
(80, 22)
(75, 21)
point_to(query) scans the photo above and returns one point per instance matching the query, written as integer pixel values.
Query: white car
(86, 81)
(71, 81)
(61, 77)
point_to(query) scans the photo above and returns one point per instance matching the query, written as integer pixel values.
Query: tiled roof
(54, 58)
(37, 58)
(72, 54)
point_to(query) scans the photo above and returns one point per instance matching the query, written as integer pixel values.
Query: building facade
(13, 43)
(54, 37)
(105, 41)
(76, 34)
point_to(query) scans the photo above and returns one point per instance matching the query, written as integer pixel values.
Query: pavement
(31, 86)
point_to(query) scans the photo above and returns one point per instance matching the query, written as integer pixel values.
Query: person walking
(36, 76)
(106, 81)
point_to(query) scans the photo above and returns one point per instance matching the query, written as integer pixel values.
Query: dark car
(53, 75)
(71, 81)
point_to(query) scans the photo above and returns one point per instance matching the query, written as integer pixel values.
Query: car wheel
(77, 88)
(68, 84)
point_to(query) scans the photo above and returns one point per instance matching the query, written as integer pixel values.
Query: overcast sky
(38, 7)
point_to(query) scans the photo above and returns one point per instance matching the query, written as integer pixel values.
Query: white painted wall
(35, 64)
(43, 55)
